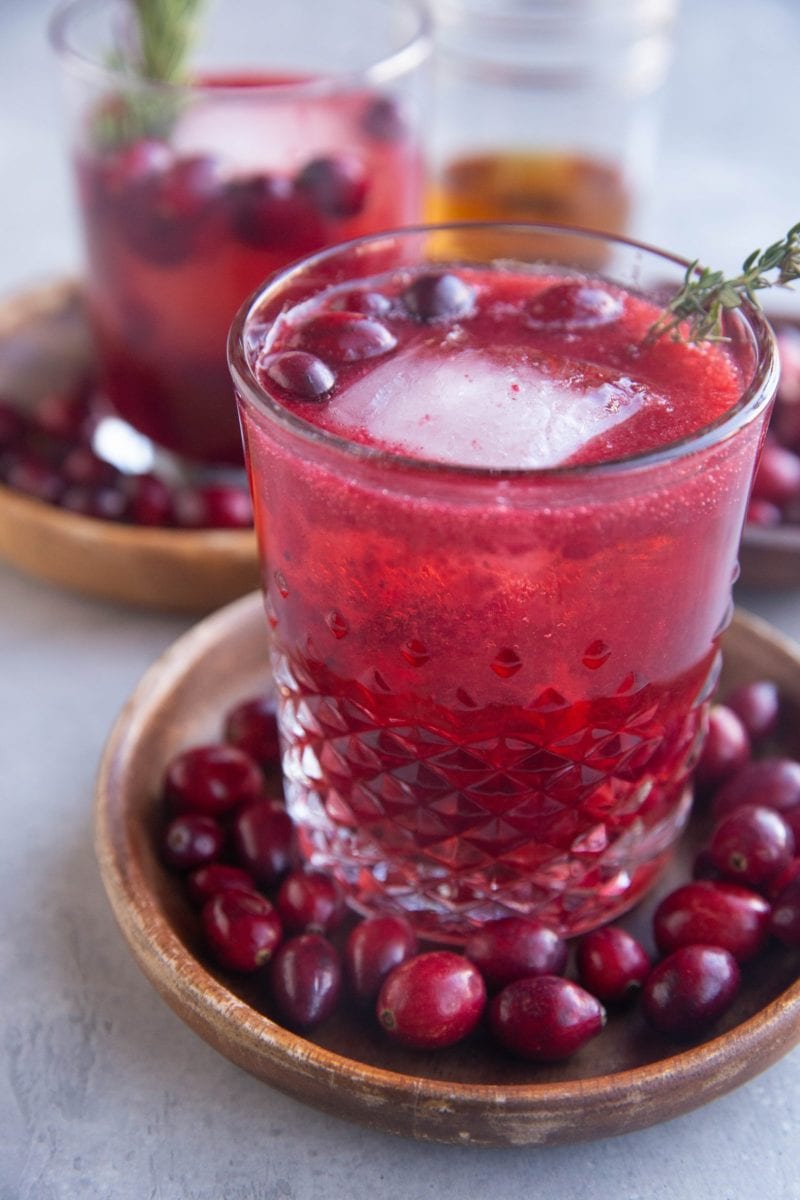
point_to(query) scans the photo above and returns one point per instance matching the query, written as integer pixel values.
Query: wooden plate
(44, 343)
(626, 1079)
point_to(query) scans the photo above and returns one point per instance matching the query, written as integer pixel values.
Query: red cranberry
(725, 750)
(264, 841)
(383, 120)
(545, 1018)
(205, 882)
(784, 877)
(34, 477)
(773, 782)
(132, 164)
(13, 424)
(344, 337)
(212, 779)
(356, 300)
(302, 375)
(574, 305)
(242, 929)
(374, 948)
(106, 503)
(150, 500)
(777, 478)
(611, 963)
(751, 844)
(513, 947)
(81, 465)
(716, 914)
(251, 726)
(215, 506)
(192, 840)
(64, 416)
(763, 513)
(439, 296)
(162, 218)
(336, 186)
(785, 916)
(305, 980)
(267, 213)
(310, 900)
(432, 1000)
(689, 989)
(757, 706)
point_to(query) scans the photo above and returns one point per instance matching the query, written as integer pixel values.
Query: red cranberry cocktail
(499, 526)
(191, 194)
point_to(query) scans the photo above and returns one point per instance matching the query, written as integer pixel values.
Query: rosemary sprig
(166, 32)
(153, 48)
(696, 312)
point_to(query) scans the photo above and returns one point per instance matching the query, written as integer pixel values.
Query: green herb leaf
(167, 31)
(696, 312)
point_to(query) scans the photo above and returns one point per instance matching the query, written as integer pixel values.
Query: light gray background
(104, 1094)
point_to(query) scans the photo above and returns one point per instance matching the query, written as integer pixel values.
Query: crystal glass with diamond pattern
(493, 680)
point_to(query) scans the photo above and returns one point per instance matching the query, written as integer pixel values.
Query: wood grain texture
(628, 1078)
(44, 345)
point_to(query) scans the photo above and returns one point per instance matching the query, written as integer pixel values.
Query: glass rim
(754, 396)
(412, 52)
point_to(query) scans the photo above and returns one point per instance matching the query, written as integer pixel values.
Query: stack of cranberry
(776, 489)
(47, 454)
(227, 832)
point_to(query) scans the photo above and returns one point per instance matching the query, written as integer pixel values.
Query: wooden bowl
(628, 1078)
(45, 343)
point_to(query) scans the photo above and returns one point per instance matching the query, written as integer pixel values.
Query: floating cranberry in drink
(497, 560)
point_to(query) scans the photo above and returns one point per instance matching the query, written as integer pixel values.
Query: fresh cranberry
(725, 750)
(432, 1000)
(374, 947)
(774, 782)
(611, 963)
(777, 478)
(64, 417)
(264, 841)
(33, 476)
(716, 914)
(268, 213)
(689, 990)
(511, 948)
(357, 300)
(150, 500)
(213, 506)
(242, 929)
(82, 466)
(337, 186)
(213, 779)
(192, 840)
(344, 337)
(104, 503)
(13, 424)
(302, 375)
(574, 305)
(757, 705)
(129, 166)
(163, 216)
(545, 1018)
(311, 901)
(439, 296)
(785, 916)
(383, 120)
(751, 844)
(205, 882)
(252, 727)
(305, 980)
(763, 513)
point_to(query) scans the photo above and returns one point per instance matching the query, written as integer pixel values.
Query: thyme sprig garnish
(697, 310)
(166, 33)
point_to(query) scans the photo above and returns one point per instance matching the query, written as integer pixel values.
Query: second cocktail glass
(295, 128)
